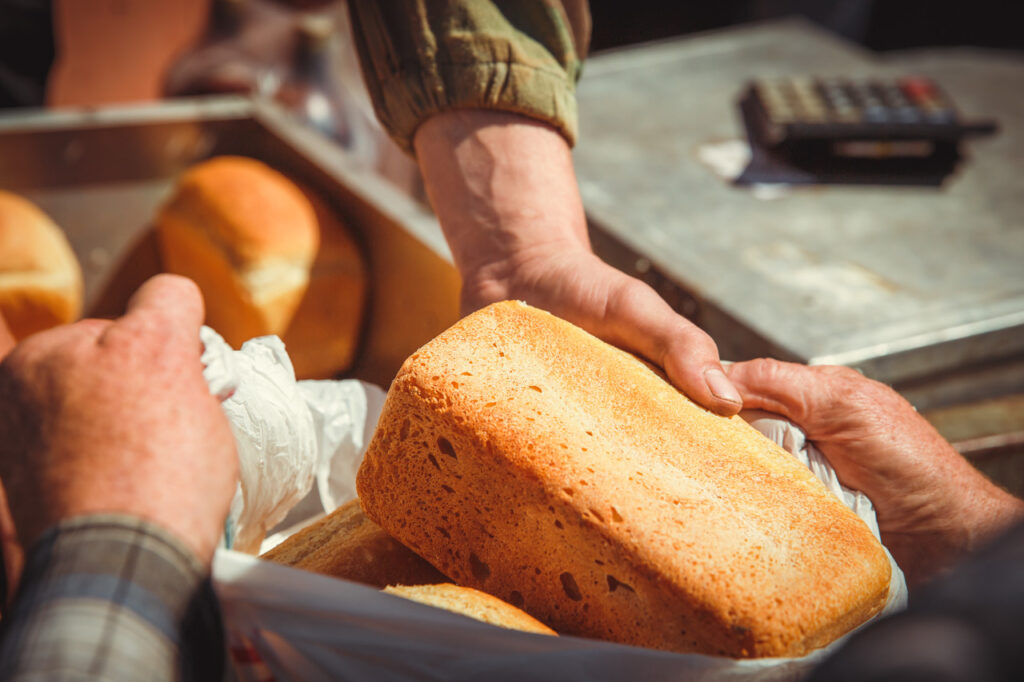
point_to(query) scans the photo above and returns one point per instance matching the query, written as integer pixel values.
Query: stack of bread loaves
(40, 279)
(523, 457)
(346, 544)
(267, 260)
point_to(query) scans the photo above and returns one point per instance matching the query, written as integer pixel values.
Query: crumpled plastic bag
(344, 418)
(283, 623)
(288, 434)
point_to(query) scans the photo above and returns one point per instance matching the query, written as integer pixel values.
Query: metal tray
(102, 174)
(919, 287)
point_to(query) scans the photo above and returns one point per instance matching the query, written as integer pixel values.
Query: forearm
(993, 510)
(484, 94)
(108, 597)
(953, 511)
(503, 186)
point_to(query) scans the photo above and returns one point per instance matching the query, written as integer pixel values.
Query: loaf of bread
(324, 333)
(247, 236)
(346, 544)
(526, 458)
(472, 603)
(40, 279)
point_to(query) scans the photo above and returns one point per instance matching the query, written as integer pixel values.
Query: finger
(167, 304)
(56, 340)
(688, 355)
(785, 388)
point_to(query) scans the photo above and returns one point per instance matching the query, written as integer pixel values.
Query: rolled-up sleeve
(421, 57)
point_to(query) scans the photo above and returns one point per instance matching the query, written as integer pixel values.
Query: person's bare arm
(505, 192)
(933, 506)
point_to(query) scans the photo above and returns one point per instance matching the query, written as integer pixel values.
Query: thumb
(169, 304)
(784, 388)
(687, 354)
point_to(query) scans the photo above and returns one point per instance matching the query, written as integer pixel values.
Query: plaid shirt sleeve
(108, 597)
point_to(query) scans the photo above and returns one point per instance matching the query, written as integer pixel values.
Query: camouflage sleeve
(421, 57)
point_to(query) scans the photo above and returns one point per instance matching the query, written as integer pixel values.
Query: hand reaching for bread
(115, 416)
(504, 190)
(932, 505)
(580, 288)
(526, 458)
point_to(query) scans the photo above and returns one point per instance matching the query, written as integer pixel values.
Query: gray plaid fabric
(109, 597)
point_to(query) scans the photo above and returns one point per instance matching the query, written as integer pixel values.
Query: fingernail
(721, 387)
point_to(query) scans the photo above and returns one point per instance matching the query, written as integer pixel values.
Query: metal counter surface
(102, 175)
(905, 283)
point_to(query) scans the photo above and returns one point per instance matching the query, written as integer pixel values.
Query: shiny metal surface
(922, 287)
(102, 175)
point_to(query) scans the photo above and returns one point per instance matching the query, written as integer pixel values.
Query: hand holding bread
(933, 506)
(524, 457)
(505, 193)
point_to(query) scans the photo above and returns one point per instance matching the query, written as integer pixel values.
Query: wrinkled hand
(114, 416)
(504, 189)
(577, 286)
(932, 505)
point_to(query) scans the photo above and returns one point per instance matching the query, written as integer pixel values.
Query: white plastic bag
(296, 625)
(344, 418)
(287, 433)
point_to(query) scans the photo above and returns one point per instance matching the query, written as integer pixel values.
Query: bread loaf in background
(323, 336)
(472, 603)
(40, 278)
(345, 544)
(247, 236)
(526, 458)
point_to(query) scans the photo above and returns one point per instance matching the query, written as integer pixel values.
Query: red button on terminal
(918, 89)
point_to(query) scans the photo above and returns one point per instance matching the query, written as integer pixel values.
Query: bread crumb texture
(526, 458)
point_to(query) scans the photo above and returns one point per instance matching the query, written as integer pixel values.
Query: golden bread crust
(472, 603)
(524, 457)
(249, 210)
(247, 236)
(345, 544)
(40, 278)
(323, 336)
